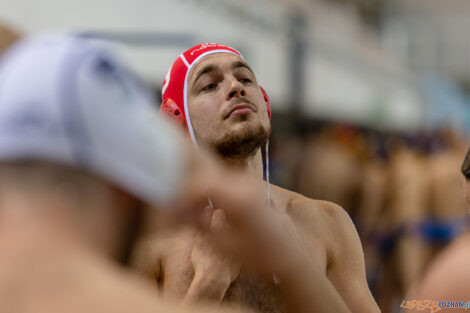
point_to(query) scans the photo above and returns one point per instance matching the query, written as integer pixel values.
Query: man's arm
(305, 288)
(304, 283)
(346, 268)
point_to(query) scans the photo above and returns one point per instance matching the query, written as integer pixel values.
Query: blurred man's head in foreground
(80, 139)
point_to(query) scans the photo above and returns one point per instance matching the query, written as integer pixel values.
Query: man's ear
(170, 108)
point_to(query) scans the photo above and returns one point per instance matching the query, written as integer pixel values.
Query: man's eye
(209, 87)
(245, 80)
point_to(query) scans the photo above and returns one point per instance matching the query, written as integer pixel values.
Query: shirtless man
(81, 150)
(448, 277)
(213, 92)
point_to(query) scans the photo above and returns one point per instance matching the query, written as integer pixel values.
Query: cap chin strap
(276, 279)
(266, 160)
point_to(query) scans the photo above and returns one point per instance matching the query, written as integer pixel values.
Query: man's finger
(218, 219)
(206, 217)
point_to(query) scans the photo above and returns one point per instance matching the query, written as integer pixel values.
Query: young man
(308, 250)
(81, 150)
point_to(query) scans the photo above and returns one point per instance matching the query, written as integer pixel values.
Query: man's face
(226, 106)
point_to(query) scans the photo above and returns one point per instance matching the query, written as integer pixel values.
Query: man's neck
(42, 223)
(252, 165)
(37, 219)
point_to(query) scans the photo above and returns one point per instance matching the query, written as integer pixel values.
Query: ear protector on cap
(171, 109)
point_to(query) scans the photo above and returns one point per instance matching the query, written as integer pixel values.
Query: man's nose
(236, 88)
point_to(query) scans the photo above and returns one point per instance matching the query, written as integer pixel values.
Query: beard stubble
(243, 143)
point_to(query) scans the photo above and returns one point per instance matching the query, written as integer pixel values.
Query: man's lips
(239, 109)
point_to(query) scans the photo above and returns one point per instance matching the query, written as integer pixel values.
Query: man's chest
(253, 292)
(247, 290)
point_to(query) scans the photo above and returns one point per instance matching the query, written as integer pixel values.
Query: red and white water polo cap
(175, 85)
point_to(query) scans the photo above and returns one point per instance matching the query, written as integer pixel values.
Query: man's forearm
(305, 289)
(206, 289)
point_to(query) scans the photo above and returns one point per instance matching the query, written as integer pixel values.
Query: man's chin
(241, 119)
(242, 140)
(240, 126)
(243, 128)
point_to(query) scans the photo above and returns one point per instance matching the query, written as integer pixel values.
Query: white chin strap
(266, 158)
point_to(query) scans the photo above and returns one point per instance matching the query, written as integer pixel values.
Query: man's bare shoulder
(150, 250)
(312, 211)
(326, 221)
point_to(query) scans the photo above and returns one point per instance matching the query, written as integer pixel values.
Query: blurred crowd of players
(403, 191)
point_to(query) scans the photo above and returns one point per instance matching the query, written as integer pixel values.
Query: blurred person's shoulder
(449, 275)
(50, 281)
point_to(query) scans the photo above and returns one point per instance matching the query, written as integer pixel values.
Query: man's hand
(214, 272)
(261, 236)
(268, 240)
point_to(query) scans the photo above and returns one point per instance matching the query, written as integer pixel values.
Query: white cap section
(70, 100)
